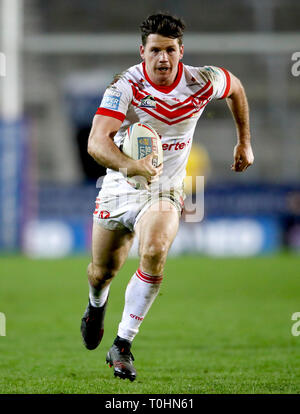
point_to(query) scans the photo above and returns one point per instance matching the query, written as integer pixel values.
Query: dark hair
(163, 24)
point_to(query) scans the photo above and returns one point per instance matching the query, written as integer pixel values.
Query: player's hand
(243, 157)
(146, 168)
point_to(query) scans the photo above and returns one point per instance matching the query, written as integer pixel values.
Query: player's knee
(155, 252)
(100, 273)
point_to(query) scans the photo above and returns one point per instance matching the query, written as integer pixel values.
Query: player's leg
(156, 230)
(109, 252)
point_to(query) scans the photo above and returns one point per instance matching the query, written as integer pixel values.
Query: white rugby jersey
(173, 111)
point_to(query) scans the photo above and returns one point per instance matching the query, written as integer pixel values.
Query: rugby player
(170, 96)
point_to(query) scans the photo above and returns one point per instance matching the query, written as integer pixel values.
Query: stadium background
(56, 59)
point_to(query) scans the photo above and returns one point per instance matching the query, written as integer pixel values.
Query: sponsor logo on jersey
(111, 100)
(175, 146)
(144, 146)
(212, 70)
(147, 102)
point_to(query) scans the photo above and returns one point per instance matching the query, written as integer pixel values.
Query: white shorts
(124, 210)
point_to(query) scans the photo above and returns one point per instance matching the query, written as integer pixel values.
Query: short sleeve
(220, 79)
(116, 100)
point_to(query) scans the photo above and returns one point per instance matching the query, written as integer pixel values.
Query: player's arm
(238, 104)
(106, 153)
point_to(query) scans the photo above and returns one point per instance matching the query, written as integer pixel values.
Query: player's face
(161, 55)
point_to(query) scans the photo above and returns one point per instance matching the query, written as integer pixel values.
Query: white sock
(98, 296)
(140, 293)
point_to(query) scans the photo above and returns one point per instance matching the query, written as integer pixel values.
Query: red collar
(165, 89)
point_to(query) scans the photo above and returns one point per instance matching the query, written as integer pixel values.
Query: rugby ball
(139, 141)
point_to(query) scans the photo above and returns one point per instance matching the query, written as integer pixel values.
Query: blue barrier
(239, 220)
(220, 200)
(219, 236)
(12, 182)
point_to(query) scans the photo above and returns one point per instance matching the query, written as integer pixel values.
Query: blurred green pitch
(217, 326)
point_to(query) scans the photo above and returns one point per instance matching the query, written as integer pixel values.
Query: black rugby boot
(92, 326)
(120, 357)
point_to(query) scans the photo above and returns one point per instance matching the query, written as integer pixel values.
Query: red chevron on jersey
(204, 92)
(191, 107)
(175, 121)
(177, 112)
